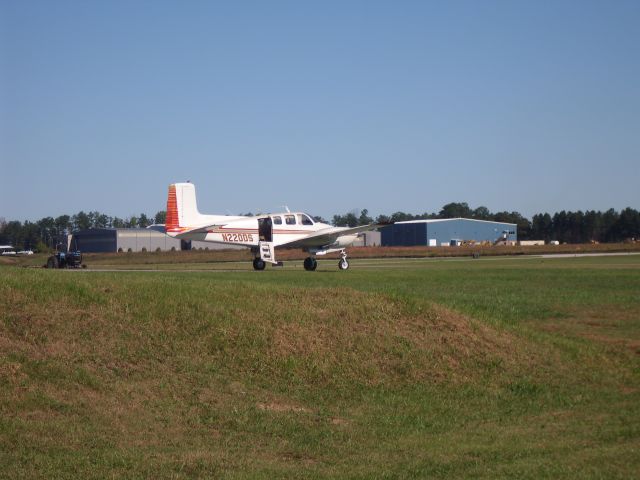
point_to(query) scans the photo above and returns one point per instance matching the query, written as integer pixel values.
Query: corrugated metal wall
(94, 240)
(139, 239)
(463, 229)
(404, 234)
(101, 240)
(368, 239)
(419, 233)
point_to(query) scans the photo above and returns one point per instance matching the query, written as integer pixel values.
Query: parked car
(25, 252)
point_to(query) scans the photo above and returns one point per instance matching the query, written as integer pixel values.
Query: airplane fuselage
(262, 233)
(286, 228)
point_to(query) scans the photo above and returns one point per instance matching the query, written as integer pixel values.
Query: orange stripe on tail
(172, 222)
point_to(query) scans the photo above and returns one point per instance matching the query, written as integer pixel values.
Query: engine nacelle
(344, 241)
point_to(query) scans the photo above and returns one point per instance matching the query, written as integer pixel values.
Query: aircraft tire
(258, 264)
(310, 264)
(343, 264)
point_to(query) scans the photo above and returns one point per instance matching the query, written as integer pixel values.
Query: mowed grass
(226, 258)
(519, 368)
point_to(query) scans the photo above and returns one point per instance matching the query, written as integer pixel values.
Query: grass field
(397, 368)
(215, 257)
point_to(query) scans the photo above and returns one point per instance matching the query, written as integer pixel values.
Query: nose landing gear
(343, 264)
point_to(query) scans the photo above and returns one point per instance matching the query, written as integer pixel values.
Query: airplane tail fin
(182, 209)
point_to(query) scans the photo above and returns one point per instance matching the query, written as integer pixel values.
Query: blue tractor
(68, 259)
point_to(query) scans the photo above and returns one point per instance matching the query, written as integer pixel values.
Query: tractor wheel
(52, 262)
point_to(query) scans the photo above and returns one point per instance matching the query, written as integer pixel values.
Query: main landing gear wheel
(258, 264)
(343, 264)
(310, 264)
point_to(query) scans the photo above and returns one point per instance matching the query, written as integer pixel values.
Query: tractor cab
(65, 258)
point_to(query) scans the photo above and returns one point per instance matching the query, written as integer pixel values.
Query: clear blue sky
(324, 106)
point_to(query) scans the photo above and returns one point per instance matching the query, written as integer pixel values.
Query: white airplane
(262, 233)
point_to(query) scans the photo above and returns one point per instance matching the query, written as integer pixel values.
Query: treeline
(566, 227)
(48, 231)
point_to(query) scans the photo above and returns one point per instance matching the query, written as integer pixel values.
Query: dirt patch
(621, 342)
(12, 372)
(612, 325)
(281, 408)
(339, 421)
(298, 458)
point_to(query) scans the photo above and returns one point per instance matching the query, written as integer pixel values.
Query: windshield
(304, 219)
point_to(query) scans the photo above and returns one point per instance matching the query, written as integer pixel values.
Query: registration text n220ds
(237, 237)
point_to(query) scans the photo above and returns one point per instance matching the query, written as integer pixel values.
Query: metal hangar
(447, 231)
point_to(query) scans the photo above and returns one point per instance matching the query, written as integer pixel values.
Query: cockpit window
(304, 219)
(290, 219)
(277, 220)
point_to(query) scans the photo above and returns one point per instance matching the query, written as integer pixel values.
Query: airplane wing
(327, 236)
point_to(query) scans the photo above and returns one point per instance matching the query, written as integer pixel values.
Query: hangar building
(98, 240)
(446, 231)
(368, 239)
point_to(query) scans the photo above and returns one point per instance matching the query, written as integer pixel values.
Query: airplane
(261, 233)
